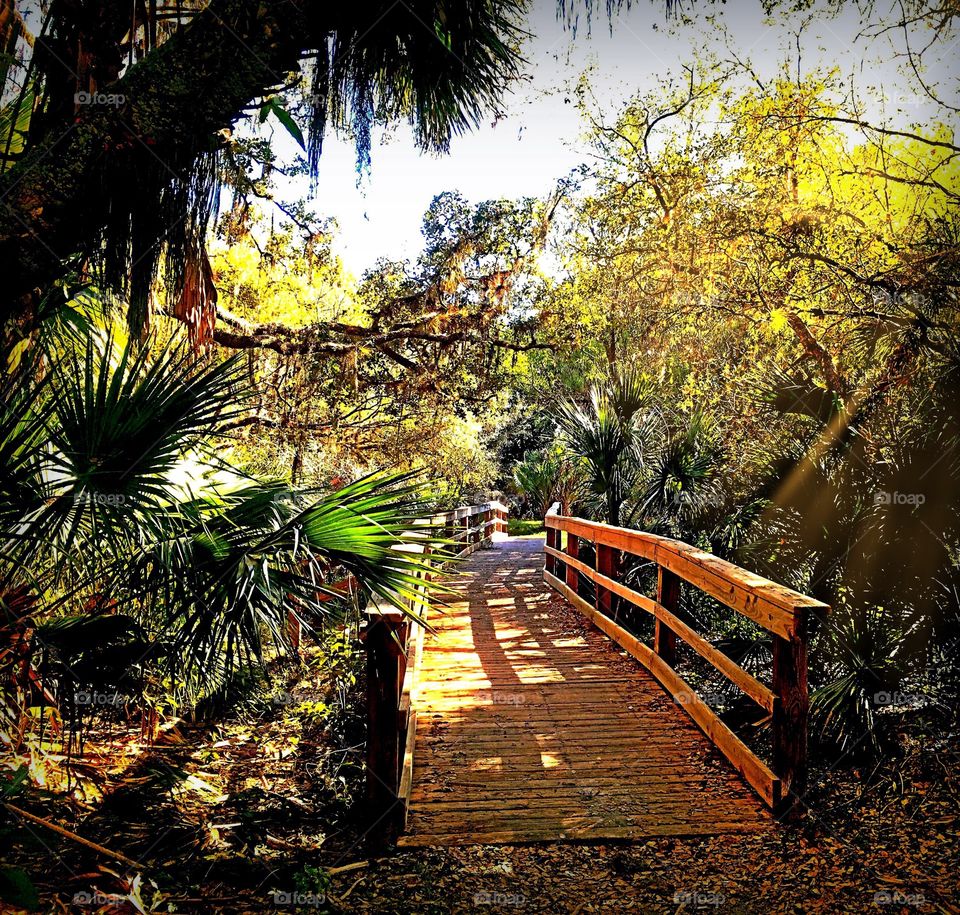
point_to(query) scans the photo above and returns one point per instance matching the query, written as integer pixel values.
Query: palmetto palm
(865, 654)
(549, 476)
(113, 501)
(682, 480)
(608, 435)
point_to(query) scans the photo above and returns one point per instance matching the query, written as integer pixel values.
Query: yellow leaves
(454, 448)
(777, 322)
(902, 180)
(16, 354)
(692, 391)
(282, 281)
(242, 259)
(451, 282)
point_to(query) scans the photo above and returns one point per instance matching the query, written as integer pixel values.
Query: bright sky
(525, 153)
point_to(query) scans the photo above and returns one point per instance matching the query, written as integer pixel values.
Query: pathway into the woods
(533, 726)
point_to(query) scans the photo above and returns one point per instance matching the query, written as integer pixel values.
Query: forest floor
(254, 814)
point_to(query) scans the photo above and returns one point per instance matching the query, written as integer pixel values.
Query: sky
(538, 141)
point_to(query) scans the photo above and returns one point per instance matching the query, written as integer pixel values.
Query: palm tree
(607, 435)
(116, 506)
(548, 476)
(683, 478)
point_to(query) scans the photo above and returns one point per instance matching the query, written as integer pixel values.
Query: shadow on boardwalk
(533, 726)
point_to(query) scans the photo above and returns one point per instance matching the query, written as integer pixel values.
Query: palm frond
(229, 581)
(116, 505)
(443, 66)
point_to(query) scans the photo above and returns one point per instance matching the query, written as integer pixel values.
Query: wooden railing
(780, 611)
(471, 525)
(394, 647)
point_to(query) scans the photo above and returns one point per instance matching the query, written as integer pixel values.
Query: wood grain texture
(532, 726)
(767, 603)
(668, 626)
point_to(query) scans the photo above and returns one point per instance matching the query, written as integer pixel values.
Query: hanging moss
(126, 186)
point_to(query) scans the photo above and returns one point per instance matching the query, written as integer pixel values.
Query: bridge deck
(533, 726)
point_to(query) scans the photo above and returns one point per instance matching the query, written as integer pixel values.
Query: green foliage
(406, 368)
(646, 468)
(524, 527)
(521, 428)
(682, 476)
(607, 436)
(117, 504)
(390, 69)
(274, 107)
(545, 477)
(17, 889)
(15, 119)
(311, 881)
(865, 656)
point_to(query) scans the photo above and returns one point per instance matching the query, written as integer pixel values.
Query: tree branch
(815, 351)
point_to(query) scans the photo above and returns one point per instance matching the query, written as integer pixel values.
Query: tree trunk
(57, 200)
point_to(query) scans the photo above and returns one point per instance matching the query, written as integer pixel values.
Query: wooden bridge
(529, 713)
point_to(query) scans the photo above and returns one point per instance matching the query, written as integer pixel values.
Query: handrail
(781, 611)
(394, 647)
(456, 524)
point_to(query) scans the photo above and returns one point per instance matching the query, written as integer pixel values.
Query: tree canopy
(224, 454)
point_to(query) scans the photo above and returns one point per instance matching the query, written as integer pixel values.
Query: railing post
(550, 563)
(608, 564)
(384, 639)
(573, 549)
(668, 596)
(553, 541)
(790, 712)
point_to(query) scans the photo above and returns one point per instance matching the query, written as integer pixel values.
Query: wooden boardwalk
(533, 726)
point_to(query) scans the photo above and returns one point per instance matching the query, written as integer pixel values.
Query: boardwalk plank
(534, 727)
